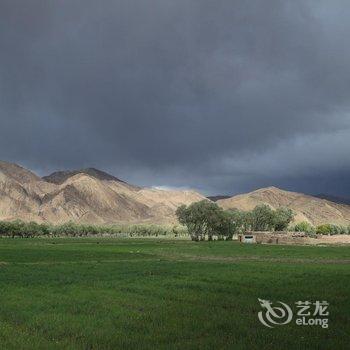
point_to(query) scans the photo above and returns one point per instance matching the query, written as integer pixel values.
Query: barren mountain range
(87, 196)
(306, 208)
(93, 196)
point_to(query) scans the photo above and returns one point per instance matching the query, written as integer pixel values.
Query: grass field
(161, 294)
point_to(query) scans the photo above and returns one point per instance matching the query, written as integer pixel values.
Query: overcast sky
(222, 96)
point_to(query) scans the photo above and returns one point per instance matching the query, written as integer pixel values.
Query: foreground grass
(158, 294)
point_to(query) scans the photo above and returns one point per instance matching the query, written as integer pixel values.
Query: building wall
(276, 237)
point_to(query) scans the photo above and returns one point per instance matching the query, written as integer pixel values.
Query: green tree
(243, 220)
(262, 218)
(282, 218)
(206, 218)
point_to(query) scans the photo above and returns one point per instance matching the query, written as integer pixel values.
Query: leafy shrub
(330, 229)
(304, 226)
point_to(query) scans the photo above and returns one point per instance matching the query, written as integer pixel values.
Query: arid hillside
(307, 208)
(93, 196)
(87, 196)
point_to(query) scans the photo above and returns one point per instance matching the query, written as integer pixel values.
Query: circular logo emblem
(274, 315)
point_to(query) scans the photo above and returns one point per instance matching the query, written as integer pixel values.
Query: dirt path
(184, 257)
(188, 257)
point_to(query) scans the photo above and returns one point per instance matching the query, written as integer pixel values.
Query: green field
(161, 294)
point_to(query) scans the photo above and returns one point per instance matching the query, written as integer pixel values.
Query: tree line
(206, 219)
(70, 229)
(199, 220)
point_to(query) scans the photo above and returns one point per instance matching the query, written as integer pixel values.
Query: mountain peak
(270, 188)
(60, 177)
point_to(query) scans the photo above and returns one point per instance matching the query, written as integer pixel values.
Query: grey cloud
(169, 92)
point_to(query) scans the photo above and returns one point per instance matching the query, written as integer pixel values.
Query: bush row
(32, 229)
(325, 229)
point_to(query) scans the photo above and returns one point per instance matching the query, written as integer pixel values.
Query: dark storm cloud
(223, 96)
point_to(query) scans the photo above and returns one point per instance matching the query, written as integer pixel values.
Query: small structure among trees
(205, 220)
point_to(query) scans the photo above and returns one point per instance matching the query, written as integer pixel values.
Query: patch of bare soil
(183, 257)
